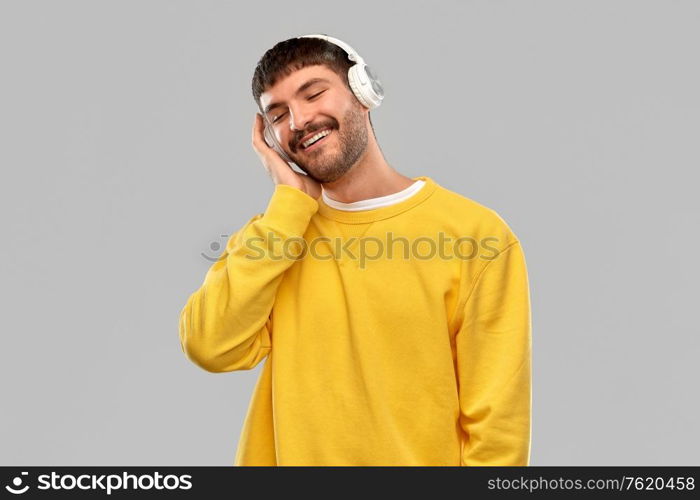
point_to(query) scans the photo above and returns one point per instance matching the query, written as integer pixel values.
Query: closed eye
(310, 98)
(316, 95)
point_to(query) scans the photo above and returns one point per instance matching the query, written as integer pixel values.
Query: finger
(261, 130)
(258, 131)
(255, 127)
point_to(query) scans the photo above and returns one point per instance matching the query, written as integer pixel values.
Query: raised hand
(280, 171)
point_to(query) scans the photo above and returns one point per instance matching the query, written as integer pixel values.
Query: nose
(300, 118)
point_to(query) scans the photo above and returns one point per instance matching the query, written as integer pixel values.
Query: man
(393, 314)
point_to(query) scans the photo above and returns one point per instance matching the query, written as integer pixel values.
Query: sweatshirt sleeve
(493, 345)
(226, 324)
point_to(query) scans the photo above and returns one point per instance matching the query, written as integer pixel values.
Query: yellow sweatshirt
(398, 335)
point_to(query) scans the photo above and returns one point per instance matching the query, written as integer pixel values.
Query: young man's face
(325, 104)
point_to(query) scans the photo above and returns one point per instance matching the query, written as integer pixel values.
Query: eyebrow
(301, 89)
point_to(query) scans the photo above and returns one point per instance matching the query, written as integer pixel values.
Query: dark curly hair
(296, 53)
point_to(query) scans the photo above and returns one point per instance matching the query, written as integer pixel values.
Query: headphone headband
(352, 53)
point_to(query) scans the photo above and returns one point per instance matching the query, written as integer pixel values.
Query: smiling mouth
(316, 144)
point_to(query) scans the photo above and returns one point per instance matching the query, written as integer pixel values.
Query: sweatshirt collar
(375, 214)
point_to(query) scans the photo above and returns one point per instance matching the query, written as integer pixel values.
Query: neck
(370, 177)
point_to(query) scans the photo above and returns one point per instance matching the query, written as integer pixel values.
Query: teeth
(313, 139)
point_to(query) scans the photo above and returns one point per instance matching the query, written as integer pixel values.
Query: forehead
(285, 87)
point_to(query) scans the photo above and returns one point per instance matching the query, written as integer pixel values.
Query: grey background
(126, 152)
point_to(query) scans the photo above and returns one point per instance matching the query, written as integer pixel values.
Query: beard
(327, 164)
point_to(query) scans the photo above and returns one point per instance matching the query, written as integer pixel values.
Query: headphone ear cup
(356, 88)
(271, 141)
(268, 137)
(364, 93)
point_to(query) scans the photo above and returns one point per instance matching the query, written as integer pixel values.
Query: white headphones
(364, 83)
